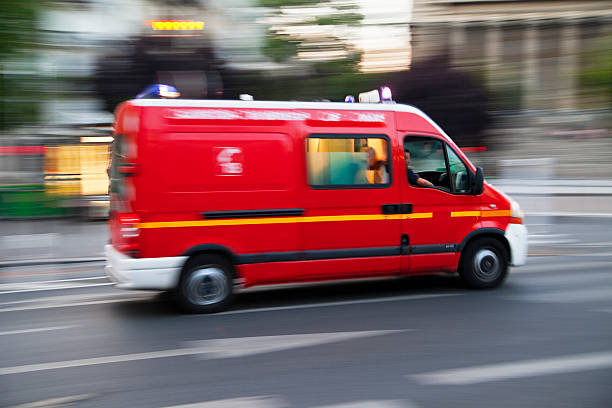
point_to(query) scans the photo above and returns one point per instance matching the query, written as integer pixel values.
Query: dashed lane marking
(331, 304)
(565, 279)
(24, 287)
(565, 266)
(60, 304)
(601, 293)
(372, 404)
(267, 401)
(56, 402)
(211, 349)
(518, 369)
(36, 330)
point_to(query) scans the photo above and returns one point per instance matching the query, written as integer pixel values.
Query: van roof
(223, 103)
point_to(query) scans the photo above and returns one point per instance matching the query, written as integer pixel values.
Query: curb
(34, 262)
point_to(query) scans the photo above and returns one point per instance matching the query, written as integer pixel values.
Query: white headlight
(515, 208)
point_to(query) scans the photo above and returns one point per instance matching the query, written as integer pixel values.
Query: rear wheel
(205, 285)
(484, 263)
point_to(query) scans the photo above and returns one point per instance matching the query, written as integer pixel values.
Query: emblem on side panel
(229, 161)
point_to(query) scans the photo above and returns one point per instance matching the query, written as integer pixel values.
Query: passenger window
(352, 161)
(458, 172)
(424, 158)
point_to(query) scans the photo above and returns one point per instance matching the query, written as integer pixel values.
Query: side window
(350, 161)
(425, 158)
(458, 172)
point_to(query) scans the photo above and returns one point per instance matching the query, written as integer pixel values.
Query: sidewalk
(62, 241)
(34, 242)
(560, 198)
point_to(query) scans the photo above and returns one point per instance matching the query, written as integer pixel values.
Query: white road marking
(40, 329)
(22, 287)
(74, 304)
(84, 296)
(569, 296)
(56, 402)
(328, 304)
(246, 346)
(373, 404)
(212, 349)
(519, 369)
(56, 302)
(565, 266)
(244, 402)
(64, 280)
(579, 277)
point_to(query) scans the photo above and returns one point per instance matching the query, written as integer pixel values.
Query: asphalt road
(544, 339)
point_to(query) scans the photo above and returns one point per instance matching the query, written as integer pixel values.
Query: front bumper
(143, 273)
(516, 234)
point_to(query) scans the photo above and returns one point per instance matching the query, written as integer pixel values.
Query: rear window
(348, 161)
(117, 158)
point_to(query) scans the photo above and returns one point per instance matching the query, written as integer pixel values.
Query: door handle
(402, 208)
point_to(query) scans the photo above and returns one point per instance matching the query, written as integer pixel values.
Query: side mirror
(477, 182)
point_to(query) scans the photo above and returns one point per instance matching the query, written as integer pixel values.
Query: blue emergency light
(158, 91)
(385, 93)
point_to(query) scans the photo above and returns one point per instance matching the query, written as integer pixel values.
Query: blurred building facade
(529, 52)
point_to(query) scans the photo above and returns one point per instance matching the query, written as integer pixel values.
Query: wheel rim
(206, 286)
(486, 265)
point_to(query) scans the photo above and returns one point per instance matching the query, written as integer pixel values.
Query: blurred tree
(452, 98)
(596, 77)
(18, 93)
(18, 26)
(329, 54)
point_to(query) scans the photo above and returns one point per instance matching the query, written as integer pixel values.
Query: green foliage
(596, 77)
(289, 3)
(279, 47)
(19, 94)
(338, 67)
(351, 19)
(18, 26)
(20, 100)
(332, 87)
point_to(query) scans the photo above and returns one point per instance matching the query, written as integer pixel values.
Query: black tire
(206, 284)
(484, 263)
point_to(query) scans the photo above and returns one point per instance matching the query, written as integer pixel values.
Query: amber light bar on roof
(177, 25)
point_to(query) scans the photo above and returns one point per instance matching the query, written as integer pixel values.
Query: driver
(413, 177)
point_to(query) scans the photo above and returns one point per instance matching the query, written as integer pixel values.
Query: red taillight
(126, 219)
(129, 231)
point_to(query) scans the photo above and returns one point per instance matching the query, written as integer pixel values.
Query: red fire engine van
(207, 195)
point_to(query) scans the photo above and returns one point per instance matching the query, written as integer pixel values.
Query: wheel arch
(213, 249)
(495, 233)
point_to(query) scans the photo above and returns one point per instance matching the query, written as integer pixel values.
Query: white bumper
(145, 273)
(516, 234)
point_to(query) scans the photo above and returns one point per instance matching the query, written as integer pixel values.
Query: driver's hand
(425, 183)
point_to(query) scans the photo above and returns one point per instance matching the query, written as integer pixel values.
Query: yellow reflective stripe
(465, 213)
(280, 220)
(498, 213)
(420, 215)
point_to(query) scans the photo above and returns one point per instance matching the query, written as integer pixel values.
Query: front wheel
(484, 263)
(205, 285)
